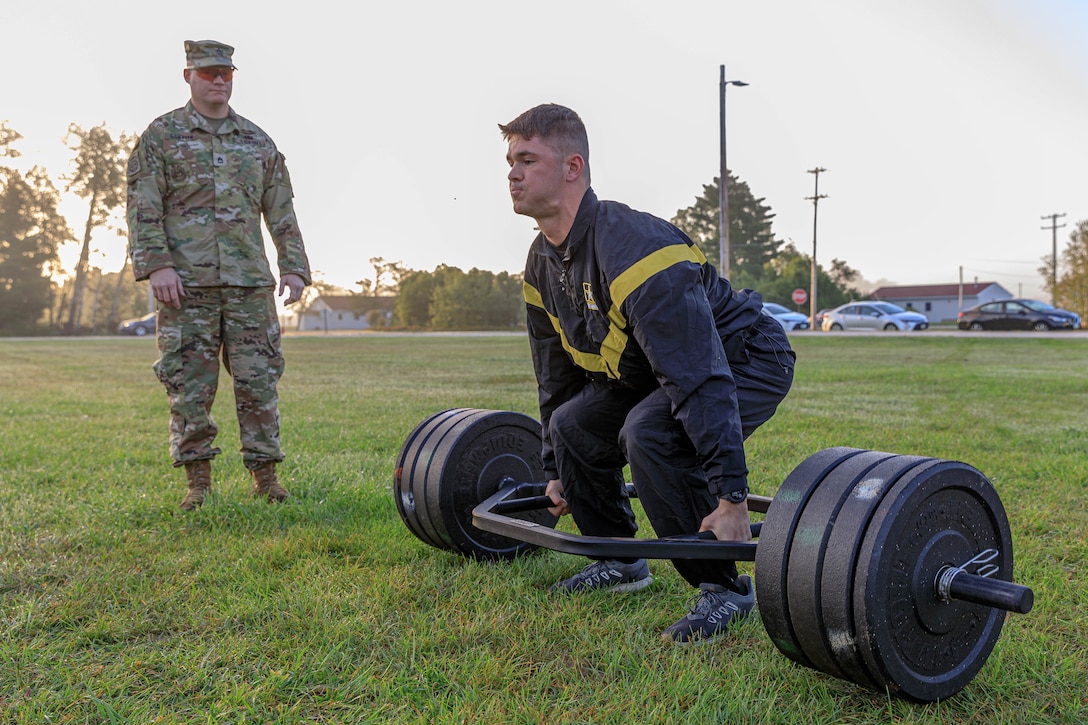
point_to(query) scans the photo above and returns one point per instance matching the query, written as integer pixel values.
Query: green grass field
(116, 607)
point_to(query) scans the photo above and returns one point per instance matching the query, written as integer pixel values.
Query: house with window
(942, 302)
(328, 313)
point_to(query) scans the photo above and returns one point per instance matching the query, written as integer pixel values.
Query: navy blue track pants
(602, 428)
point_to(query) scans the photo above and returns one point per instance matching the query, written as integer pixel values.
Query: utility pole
(723, 184)
(959, 304)
(815, 199)
(1054, 227)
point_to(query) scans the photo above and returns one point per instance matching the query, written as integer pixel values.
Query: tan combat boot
(265, 484)
(199, 475)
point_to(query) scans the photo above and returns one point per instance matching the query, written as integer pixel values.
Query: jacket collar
(579, 230)
(197, 121)
(583, 220)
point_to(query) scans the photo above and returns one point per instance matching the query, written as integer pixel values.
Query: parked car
(142, 326)
(1017, 314)
(790, 320)
(873, 315)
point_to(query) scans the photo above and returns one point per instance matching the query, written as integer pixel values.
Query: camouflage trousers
(239, 324)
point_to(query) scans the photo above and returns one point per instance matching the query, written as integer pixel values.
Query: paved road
(1080, 335)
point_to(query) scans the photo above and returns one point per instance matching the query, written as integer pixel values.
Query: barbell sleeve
(1009, 596)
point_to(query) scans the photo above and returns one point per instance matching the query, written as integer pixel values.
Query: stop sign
(800, 296)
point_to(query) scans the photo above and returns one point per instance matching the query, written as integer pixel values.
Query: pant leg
(251, 347)
(765, 376)
(670, 483)
(665, 468)
(188, 367)
(584, 433)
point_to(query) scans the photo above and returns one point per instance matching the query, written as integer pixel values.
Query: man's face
(537, 176)
(211, 87)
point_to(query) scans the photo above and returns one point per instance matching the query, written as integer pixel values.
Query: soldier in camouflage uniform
(199, 180)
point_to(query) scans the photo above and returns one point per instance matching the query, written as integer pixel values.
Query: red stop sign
(800, 296)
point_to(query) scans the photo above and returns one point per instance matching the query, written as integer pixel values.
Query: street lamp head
(736, 83)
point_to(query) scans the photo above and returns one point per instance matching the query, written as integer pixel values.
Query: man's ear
(186, 74)
(575, 166)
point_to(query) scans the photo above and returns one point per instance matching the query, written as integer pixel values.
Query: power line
(976, 270)
(1011, 261)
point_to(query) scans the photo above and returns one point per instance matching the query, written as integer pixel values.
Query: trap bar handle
(530, 497)
(491, 515)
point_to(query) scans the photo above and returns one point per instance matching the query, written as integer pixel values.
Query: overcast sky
(948, 128)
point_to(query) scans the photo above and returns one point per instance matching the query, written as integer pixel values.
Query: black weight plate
(775, 538)
(459, 459)
(913, 643)
(489, 448)
(410, 477)
(836, 580)
(804, 570)
(434, 450)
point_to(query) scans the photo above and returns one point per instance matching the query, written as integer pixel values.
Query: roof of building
(972, 289)
(355, 304)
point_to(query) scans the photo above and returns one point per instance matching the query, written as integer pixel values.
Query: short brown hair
(558, 124)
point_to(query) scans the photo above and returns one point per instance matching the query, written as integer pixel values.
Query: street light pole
(815, 198)
(723, 184)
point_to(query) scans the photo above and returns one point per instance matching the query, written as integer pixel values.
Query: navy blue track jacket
(633, 302)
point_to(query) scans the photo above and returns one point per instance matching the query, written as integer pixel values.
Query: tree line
(449, 298)
(38, 296)
(1068, 284)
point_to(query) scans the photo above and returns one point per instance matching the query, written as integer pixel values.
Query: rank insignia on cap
(208, 54)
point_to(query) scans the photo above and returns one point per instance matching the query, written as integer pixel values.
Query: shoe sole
(628, 587)
(698, 642)
(734, 622)
(624, 588)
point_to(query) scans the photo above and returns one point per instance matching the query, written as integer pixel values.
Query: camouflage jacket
(195, 201)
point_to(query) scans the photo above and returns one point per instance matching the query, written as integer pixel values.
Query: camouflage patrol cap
(207, 53)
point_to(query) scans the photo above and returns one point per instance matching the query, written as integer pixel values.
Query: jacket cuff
(731, 488)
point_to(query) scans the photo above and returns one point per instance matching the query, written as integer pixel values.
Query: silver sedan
(873, 315)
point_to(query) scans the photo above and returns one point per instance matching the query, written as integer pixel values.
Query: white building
(942, 302)
(345, 312)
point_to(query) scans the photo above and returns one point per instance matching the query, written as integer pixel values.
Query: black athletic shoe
(613, 576)
(715, 610)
